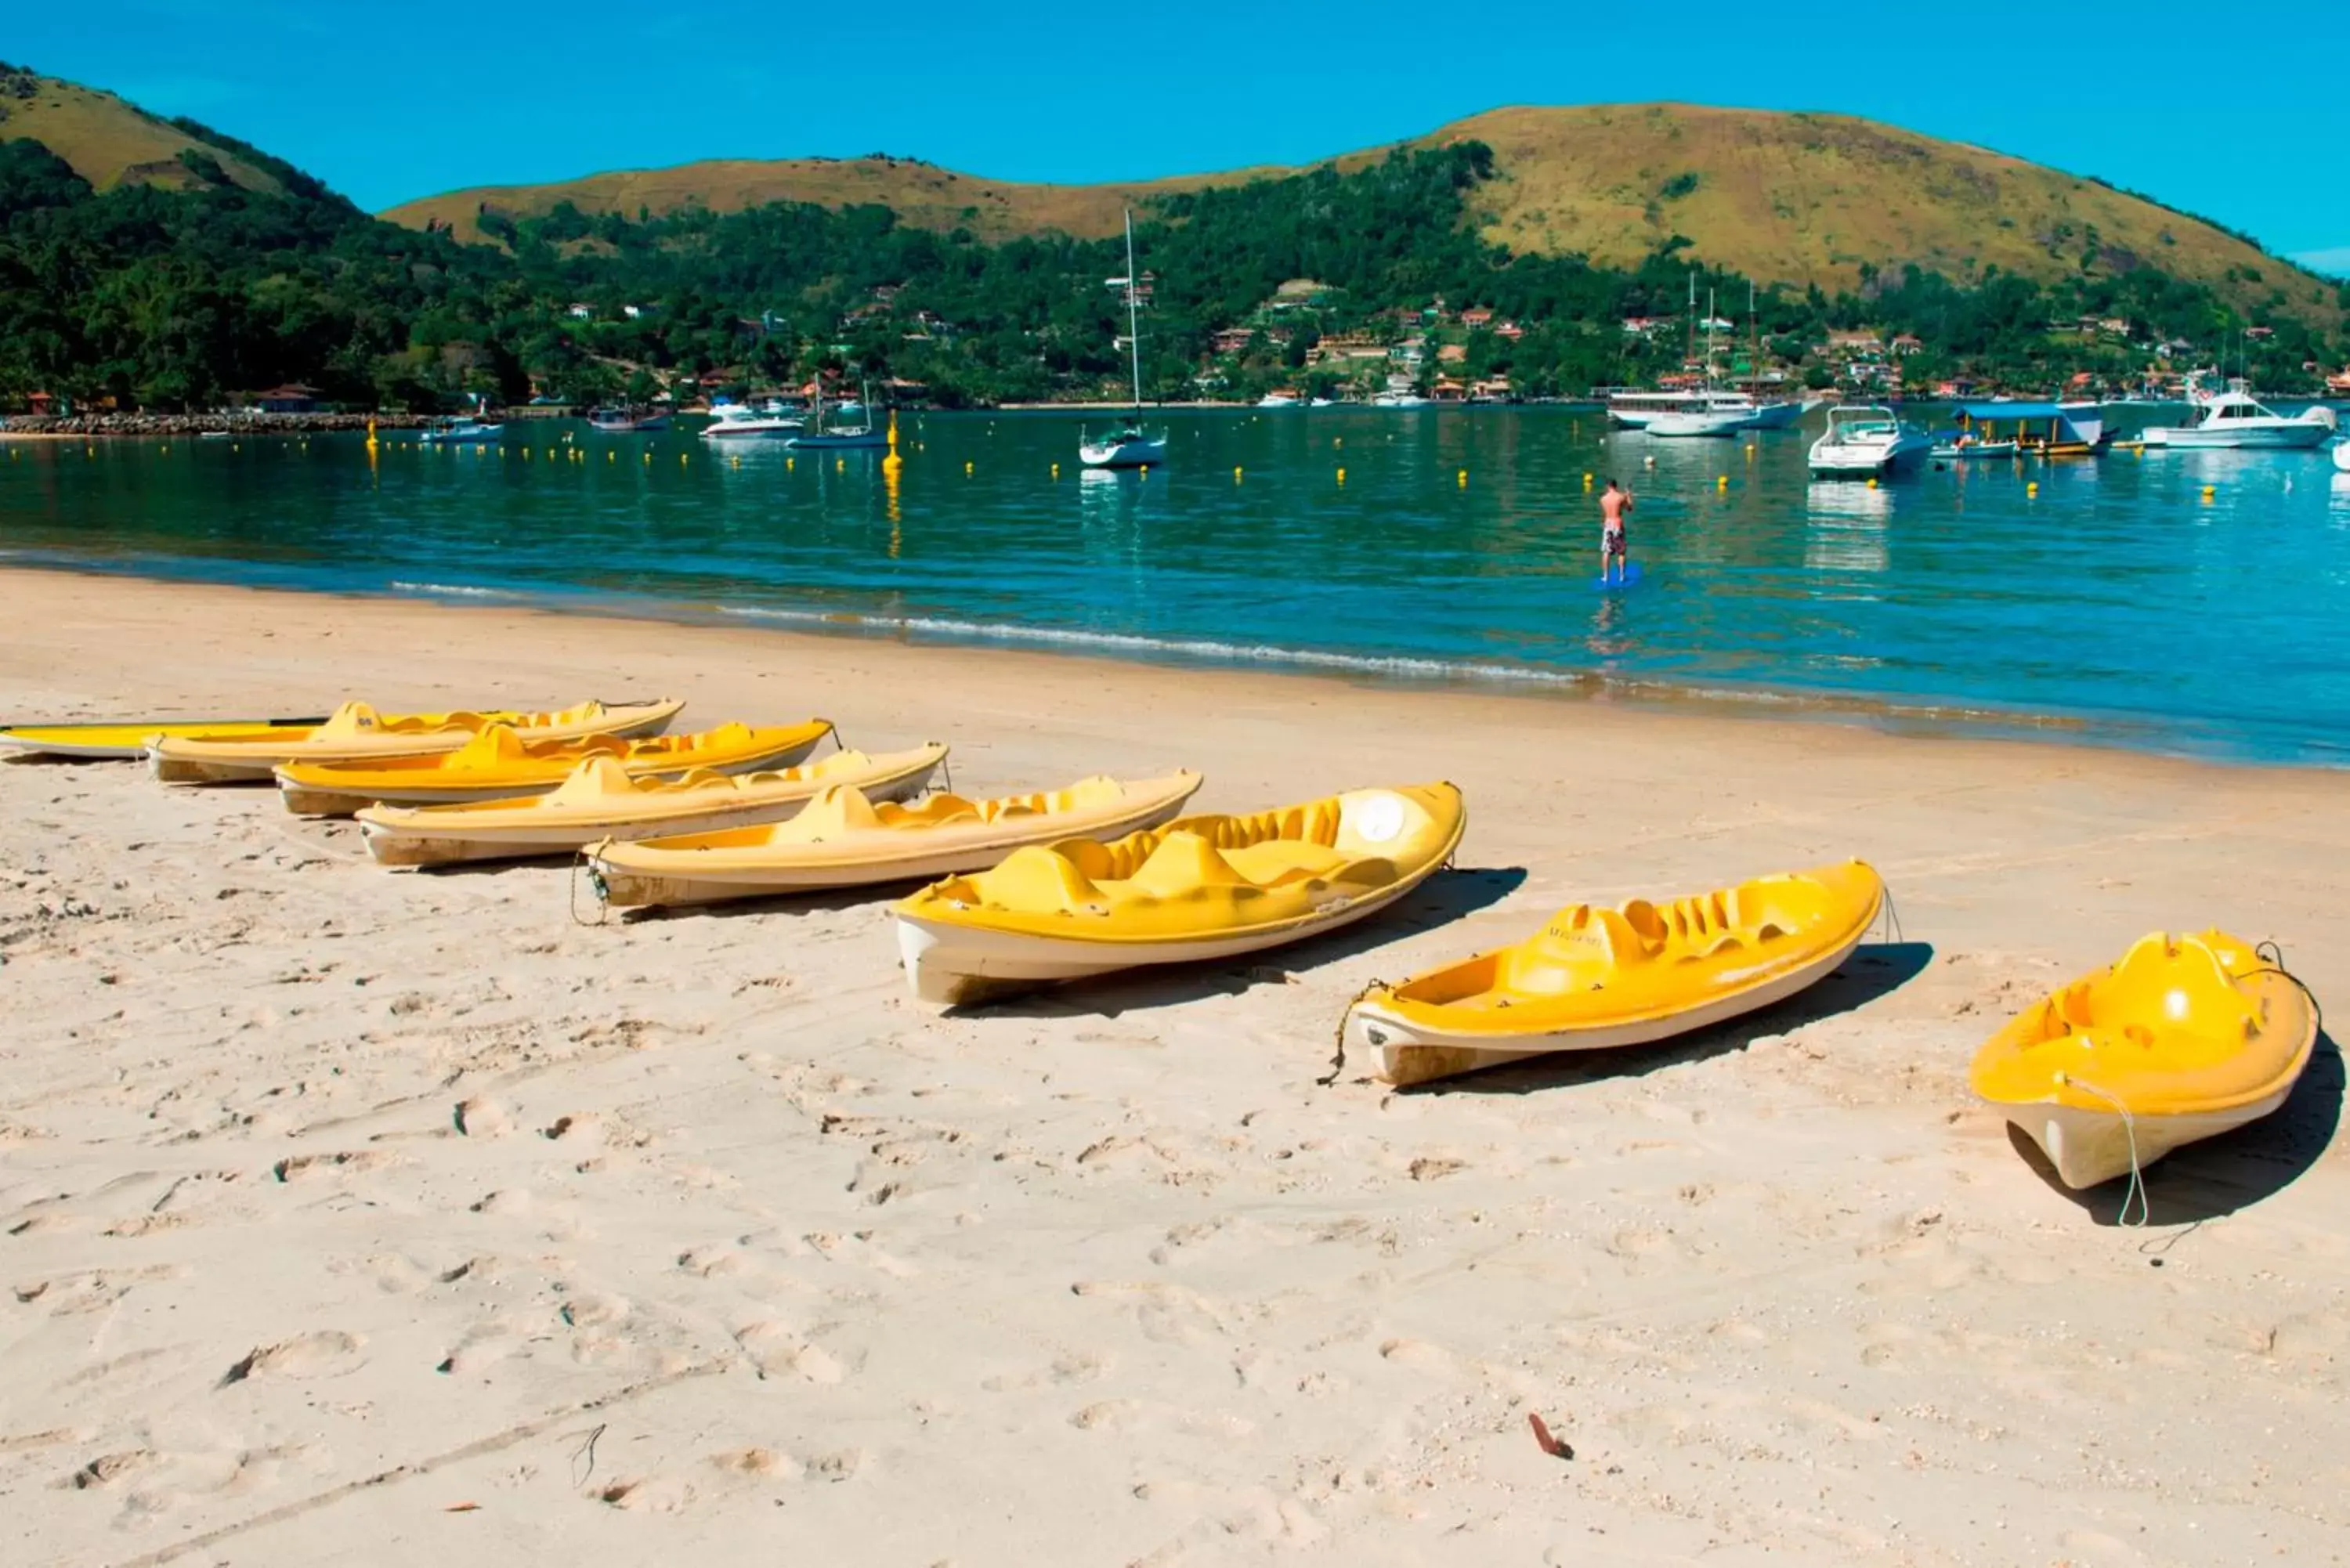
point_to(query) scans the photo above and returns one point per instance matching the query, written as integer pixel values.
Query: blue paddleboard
(1630, 579)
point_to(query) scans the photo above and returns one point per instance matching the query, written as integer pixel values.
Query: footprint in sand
(777, 1351)
(327, 1353)
(651, 1494)
(765, 1463)
(1418, 1355)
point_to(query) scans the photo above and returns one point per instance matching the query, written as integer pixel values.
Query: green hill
(109, 142)
(1790, 198)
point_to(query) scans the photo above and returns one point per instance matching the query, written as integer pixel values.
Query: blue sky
(389, 104)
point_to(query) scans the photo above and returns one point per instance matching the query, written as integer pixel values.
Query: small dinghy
(2185, 1038)
(852, 837)
(1598, 978)
(1200, 887)
(602, 801)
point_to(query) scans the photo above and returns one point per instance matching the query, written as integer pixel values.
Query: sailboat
(1127, 446)
(840, 438)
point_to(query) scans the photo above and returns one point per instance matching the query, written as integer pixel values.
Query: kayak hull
(430, 836)
(127, 743)
(215, 760)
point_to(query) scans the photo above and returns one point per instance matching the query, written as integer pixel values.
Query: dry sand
(353, 1216)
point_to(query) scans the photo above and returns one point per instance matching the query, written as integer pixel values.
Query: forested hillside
(247, 274)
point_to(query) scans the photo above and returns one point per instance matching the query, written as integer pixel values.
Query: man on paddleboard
(1614, 502)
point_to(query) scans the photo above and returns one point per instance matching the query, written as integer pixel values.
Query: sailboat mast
(1133, 318)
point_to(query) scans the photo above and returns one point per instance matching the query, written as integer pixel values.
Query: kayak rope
(946, 770)
(2136, 1192)
(2274, 956)
(1338, 1042)
(1892, 923)
(595, 880)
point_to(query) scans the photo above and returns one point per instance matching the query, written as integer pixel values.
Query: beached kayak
(849, 837)
(2185, 1038)
(501, 762)
(117, 740)
(601, 802)
(1200, 887)
(355, 732)
(1644, 971)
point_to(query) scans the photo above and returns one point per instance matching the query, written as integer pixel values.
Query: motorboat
(460, 432)
(1866, 441)
(770, 420)
(1321, 402)
(626, 421)
(865, 436)
(1129, 445)
(1281, 401)
(1402, 400)
(1636, 409)
(1697, 423)
(2235, 420)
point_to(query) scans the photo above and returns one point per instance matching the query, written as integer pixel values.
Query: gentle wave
(1400, 667)
(453, 590)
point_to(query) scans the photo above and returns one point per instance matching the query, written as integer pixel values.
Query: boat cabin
(2046, 430)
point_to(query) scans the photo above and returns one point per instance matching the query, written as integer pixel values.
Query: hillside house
(1641, 326)
(1510, 330)
(41, 405)
(290, 399)
(578, 310)
(1854, 342)
(1447, 390)
(1906, 344)
(1491, 390)
(1453, 354)
(640, 312)
(1476, 317)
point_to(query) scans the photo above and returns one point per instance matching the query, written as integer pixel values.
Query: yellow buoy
(681, 459)
(1236, 473)
(966, 468)
(1872, 481)
(1341, 477)
(839, 463)
(1587, 482)
(2209, 491)
(2032, 488)
(1749, 451)
(791, 464)
(735, 462)
(1461, 478)
(612, 456)
(1722, 481)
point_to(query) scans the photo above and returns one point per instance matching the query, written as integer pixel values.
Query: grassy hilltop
(1788, 198)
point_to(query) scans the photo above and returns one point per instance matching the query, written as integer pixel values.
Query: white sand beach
(354, 1216)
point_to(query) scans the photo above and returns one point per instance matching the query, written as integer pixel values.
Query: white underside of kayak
(2087, 1146)
(949, 963)
(262, 769)
(410, 843)
(1410, 1052)
(634, 887)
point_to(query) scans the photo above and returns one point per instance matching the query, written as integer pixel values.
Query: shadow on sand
(1874, 969)
(1445, 896)
(2235, 1171)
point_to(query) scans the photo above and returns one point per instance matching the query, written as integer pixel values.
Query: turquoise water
(2119, 602)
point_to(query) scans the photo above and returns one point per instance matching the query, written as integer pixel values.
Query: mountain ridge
(1796, 197)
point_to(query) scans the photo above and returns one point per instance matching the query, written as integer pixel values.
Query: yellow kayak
(850, 838)
(356, 732)
(1596, 978)
(1200, 887)
(2185, 1038)
(500, 764)
(115, 741)
(602, 801)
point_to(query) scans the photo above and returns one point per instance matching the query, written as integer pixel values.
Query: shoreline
(347, 1204)
(1885, 714)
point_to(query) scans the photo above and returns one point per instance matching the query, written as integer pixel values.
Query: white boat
(866, 436)
(1281, 401)
(460, 432)
(1636, 409)
(626, 421)
(770, 420)
(1697, 422)
(1129, 445)
(1402, 400)
(1321, 402)
(2237, 420)
(1866, 441)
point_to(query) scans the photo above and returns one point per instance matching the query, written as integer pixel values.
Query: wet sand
(348, 1215)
